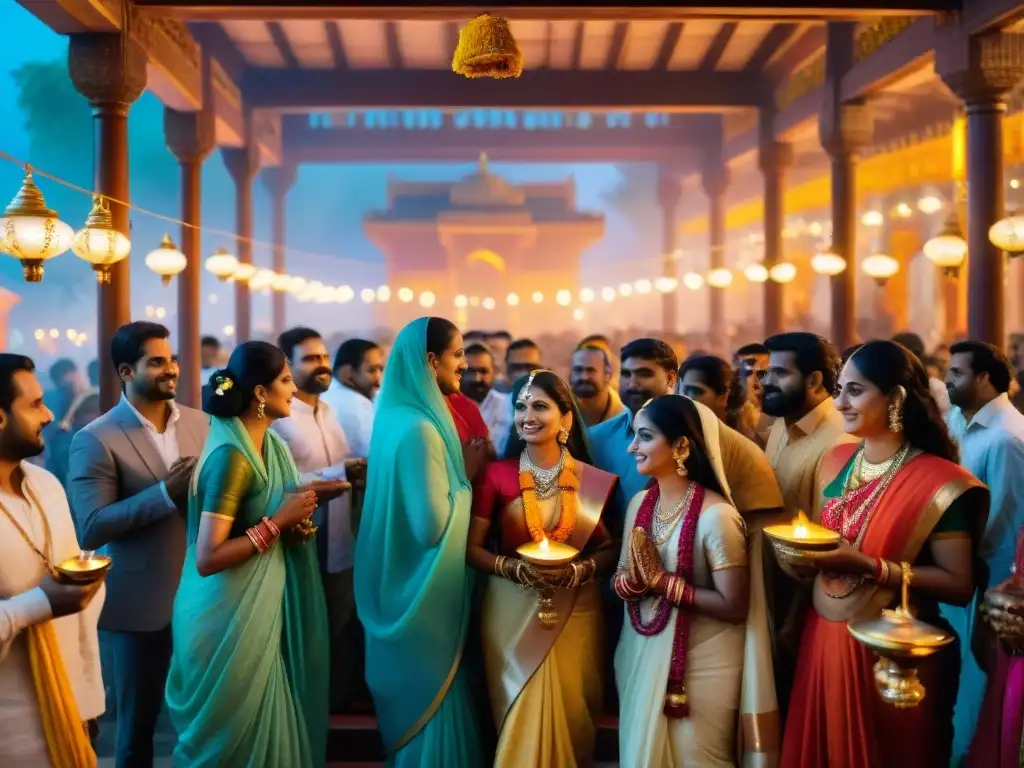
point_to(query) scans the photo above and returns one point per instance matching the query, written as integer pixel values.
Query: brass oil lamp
(1003, 606)
(547, 558)
(900, 641)
(798, 542)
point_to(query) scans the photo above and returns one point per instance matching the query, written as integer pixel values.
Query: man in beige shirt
(798, 386)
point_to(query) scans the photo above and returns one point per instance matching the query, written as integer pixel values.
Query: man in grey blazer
(128, 479)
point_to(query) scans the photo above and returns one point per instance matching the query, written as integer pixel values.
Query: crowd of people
(332, 532)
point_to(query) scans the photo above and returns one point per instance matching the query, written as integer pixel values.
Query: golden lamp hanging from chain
(98, 242)
(167, 261)
(31, 232)
(487, 48)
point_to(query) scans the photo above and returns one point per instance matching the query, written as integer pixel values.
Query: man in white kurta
(32, 500)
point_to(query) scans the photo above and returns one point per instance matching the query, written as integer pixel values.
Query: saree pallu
(999, 738)
(837, 718)
(553, 720)
(714, 668)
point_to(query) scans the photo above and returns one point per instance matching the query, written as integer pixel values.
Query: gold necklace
(864, 471)
(663, 526)
(47, 539)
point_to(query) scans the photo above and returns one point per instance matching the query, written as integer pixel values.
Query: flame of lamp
(693, 281)
(948, 249)
(756, 273)
(31, 232)
(221, 264)
(98, 242)
(829, 264)
(167, 261)
(783, 272)
(1008, 234)
(720, 278)
(880, 267)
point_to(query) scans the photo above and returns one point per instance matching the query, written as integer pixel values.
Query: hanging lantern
(31, 232)
(1008, 234)
(720, 278)
(221, 264)
(487, 49)
(756, 273)
(828, 263)
(167, 261)
(666, 284)
(948, 249)
(244, 273)
(98, 242)
(282, 283)
(880, 267)
(782, 273)
(263, 280)
(693, 281)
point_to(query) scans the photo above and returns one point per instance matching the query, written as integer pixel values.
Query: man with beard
(321, 452)
(990, 434)
(591, 383)
(128, 485)
(478, 385)
(36, 530)
(358, 370)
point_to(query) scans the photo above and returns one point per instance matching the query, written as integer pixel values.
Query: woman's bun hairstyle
(222, 395)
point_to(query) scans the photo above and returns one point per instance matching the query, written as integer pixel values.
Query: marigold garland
(569, 486)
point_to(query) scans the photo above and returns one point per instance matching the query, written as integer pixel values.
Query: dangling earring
(895, 418)
(261, 410)
(563, 436)
(681, 455)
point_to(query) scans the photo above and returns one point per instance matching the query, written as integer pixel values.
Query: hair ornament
(224, 383)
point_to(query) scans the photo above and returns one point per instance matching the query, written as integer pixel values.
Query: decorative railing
(485, 119)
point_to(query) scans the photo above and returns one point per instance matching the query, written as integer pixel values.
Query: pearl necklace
(545, 480)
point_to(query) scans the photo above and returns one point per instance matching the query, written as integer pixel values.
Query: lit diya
(85, 568)
(548, 558)
(900, 641)
(797, 542)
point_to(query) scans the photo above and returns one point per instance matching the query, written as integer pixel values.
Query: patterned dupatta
(676, 701)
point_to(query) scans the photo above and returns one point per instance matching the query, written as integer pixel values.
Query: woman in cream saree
(679, 662)
(545, 684)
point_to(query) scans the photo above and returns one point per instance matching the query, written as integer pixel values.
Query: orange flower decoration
(569, 485)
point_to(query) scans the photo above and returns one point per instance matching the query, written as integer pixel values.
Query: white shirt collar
(172, 419)
(990, 411)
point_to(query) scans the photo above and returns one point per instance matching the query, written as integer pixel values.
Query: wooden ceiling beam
(668, 45)
(775, 39)
(717, 47)
(280, 38)
(337, 46)
(450, 10)
(617, 45)
(577, 45)
(394, 45)
(318, 90)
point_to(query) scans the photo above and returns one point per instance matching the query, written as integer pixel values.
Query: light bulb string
(36, 171)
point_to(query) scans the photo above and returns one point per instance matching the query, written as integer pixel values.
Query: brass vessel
(83, 569)
(548, 559)
(1003, 609)
(901, 642)
(798, 542)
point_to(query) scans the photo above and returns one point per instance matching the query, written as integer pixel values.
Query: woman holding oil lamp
(683, 575)
(544, 681)
(901, 504)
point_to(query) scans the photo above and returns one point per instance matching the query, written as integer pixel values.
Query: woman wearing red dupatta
(900, 502)
(545, 684)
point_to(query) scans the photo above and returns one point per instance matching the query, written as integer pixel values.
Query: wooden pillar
(774, 157)
(190, 138)
(279, 182)
(109, 70)
(981, 70)
(243, 163)
(668, 199)
(715, 181)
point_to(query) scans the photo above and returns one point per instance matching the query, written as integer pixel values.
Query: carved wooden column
(668, 199)
(774, 157)
(109, 70)
(190, 137)
(715, 181)
(279, 182)
(981, 71)
(243, 163)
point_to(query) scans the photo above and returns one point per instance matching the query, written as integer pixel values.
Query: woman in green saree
(411, 579)
(248, 678)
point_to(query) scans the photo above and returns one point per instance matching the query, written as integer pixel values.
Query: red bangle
(689, 594)
(272, 527)
(256, 539)
(266, 532)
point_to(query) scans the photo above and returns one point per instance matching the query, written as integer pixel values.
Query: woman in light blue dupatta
(248, 678)
(412, 583)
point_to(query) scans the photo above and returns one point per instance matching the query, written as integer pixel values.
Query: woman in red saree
(545, 684)
(900, 502)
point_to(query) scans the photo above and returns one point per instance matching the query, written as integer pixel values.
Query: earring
(563, 436)
(261, 410)
(895, 418)
(681, 455)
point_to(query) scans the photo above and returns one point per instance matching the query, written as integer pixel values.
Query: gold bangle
(499, 565)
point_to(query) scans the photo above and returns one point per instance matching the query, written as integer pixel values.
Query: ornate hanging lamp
(167, 261)
(221, 264)
(98, 242)
(880, 267)
(31, 232)
(487, 48)
(948, 249)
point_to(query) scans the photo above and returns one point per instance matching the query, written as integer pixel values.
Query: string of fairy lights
(34, 234)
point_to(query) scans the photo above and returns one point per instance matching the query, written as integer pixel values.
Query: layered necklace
(849, 514)
(647, 518)
(536, 483)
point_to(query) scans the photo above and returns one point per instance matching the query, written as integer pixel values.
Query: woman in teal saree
(248, 678)
(412, 583)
